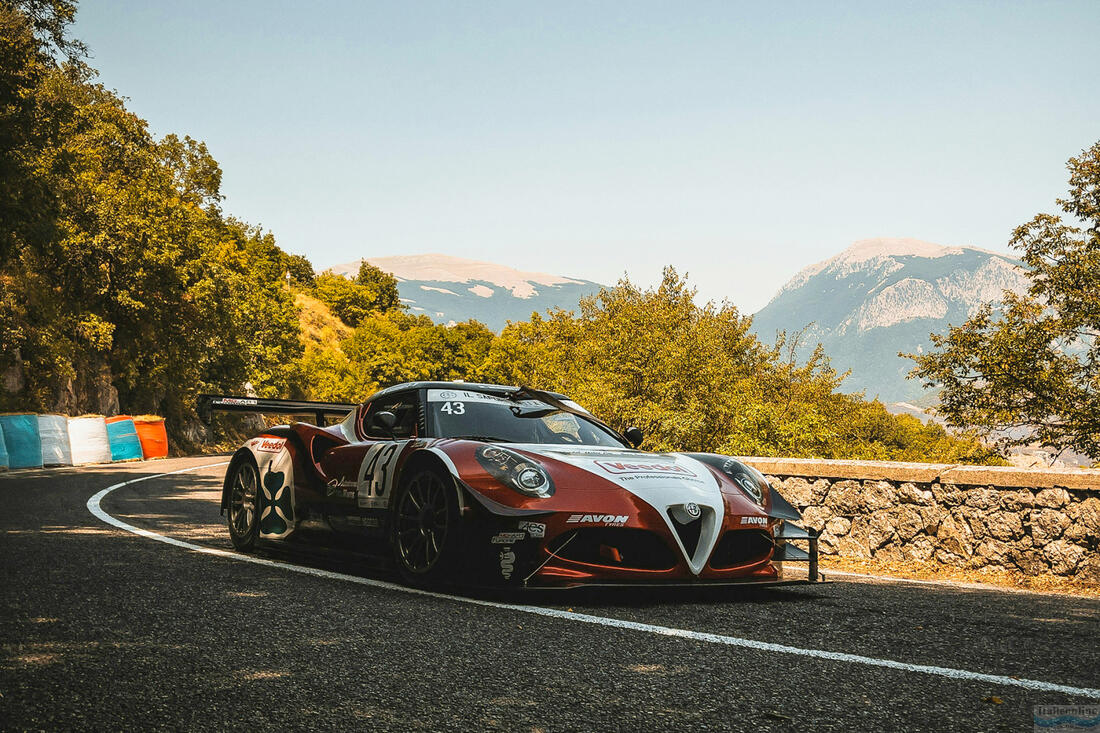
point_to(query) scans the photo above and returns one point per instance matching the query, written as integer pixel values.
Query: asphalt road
(102, 628)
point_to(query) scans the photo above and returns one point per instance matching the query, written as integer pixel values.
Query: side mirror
(384, 420)
(634, 435)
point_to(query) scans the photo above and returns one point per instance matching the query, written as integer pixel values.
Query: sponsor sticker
(621, 467)
(270, 445)
(607, 520)
(507, 538)
(535, 529)
(507, 562)
(758, 521)
(462, 395)
(235, 401)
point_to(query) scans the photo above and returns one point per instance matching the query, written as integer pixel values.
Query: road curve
(106, 625)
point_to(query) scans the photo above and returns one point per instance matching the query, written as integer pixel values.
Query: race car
(492, 485)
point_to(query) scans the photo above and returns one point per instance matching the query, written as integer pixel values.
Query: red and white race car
(480, 484)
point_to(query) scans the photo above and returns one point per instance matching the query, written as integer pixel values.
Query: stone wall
(1029, 520)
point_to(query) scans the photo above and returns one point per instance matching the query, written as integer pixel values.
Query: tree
(347, 299)
(695, 378)
(122, 284)
(354, 299)
(1035, 365)
(301, 270)
(382, 284)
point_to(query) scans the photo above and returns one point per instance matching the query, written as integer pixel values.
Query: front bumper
(541, 552)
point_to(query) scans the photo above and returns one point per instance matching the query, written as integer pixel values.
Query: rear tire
(426, 531)
(243, 517)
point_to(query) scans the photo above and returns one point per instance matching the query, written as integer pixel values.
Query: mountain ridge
(453, 289)
(883, 296)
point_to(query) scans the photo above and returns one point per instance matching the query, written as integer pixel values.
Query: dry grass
(985, 576)
(319, 326)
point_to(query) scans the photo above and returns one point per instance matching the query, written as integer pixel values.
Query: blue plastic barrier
(22, 440)
(3, 451)
(125, 445)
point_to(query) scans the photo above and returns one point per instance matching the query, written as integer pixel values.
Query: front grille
(622, 547)
(688, 533)
(741, 547)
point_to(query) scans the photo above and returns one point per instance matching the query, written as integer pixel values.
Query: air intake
(688, 531)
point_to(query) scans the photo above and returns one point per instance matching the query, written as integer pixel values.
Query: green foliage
(121, 277)
(382, 284)
(301, 271)
(353, 300)
(1036, 364)
(694, 378)
(393, 347)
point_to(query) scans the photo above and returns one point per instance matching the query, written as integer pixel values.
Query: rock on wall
(1032, 521)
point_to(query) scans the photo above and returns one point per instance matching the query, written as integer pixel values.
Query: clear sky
(737, 141)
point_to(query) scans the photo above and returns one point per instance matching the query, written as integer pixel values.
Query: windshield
(465, 414)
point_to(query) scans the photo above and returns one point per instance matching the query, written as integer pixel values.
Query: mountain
(884, 296)
(456, 289)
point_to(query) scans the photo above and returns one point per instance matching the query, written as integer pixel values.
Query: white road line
(955, 674)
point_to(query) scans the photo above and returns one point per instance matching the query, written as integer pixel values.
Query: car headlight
(751, 481)
(516, 471)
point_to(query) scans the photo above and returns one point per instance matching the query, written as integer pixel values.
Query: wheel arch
(242, 454)
(435, 458)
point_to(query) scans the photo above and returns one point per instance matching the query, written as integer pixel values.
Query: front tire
(425, 533)
(243, 517)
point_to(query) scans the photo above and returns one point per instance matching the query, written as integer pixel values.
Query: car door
(368, 467)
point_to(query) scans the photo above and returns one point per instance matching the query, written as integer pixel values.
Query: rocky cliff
(884, 296)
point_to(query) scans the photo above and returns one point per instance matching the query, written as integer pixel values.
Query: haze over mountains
(875, 299)
(456, 289)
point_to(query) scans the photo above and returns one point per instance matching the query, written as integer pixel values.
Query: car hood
(670, 483)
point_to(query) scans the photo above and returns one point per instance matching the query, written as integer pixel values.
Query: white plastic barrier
(54, 432)
(88, 440)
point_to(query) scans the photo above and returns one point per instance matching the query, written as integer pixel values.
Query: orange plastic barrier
(153, 436)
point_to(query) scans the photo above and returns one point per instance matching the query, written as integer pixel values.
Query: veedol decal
(269, 445)
(762, 521)
(535, 529)
(609, 520)
(620, 467)
(235, 401)
(376, 474)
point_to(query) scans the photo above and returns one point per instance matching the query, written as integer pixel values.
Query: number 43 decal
(376, 474)
(453, 408)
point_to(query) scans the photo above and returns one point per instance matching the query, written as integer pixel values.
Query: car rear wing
(208, 404)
